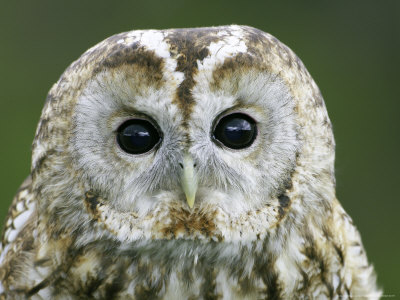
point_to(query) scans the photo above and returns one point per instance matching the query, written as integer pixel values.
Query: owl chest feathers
(283, 263)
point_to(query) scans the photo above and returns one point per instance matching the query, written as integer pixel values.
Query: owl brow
(242, 62)
(136, 56)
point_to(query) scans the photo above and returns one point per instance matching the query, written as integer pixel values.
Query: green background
(351, 48)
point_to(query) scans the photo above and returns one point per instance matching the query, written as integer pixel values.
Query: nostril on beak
(181, 165)
(194, 165)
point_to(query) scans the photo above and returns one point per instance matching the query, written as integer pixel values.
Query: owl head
(201, 133)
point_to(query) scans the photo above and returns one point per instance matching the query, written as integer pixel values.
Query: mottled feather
(93, 221)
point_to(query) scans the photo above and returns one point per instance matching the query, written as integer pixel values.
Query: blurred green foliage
(351, 48)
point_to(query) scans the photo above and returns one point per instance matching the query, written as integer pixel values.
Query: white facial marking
(229, 46)
(155, 41)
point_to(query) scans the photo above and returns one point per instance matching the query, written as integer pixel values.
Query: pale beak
(189, 179)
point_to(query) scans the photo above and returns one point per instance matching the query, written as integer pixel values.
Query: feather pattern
(93, 221)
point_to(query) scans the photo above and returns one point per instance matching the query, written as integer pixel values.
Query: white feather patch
(229, 45)
(18, 223)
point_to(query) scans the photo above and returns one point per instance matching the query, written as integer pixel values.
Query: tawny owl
(183, 164)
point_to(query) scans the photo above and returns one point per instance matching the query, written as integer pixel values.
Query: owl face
(182, 133)
(183, 164)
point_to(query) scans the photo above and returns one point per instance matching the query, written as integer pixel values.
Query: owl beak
(189, 179)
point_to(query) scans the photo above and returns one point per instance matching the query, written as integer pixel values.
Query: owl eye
(236, 131)
(137, 136)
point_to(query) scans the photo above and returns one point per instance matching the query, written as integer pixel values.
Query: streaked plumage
(94, 221)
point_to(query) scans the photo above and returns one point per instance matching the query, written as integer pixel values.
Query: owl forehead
(182, 59)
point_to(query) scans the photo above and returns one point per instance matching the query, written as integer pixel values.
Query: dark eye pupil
(236, 131)
(137, 136)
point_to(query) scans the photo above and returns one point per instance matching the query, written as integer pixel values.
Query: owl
(183, 164)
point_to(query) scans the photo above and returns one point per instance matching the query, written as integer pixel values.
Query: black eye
(236, 131)
(137, 136)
